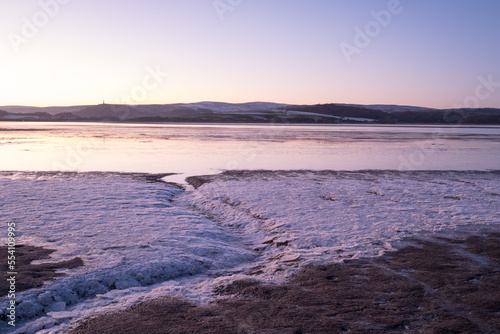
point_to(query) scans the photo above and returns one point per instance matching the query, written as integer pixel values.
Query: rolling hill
(253, 112)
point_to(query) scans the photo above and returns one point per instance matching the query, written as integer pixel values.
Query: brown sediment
(235, 175)
(30, 275)
(198, 181)
(441, 285)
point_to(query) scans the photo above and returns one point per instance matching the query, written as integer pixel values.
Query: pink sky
(424, 53)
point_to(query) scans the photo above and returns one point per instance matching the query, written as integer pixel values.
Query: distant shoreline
(253, 112)
(366, 124)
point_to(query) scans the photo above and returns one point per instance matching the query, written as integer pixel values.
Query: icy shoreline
(436, 284)
(263, 225)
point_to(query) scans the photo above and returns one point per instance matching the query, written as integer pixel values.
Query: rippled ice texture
(142, 239)
(125, 229)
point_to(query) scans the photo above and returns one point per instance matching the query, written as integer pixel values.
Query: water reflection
(207, 149)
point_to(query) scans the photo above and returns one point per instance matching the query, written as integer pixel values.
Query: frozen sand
(241, 225)
(438, 286)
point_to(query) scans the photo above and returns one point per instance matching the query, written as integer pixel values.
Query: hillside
(254, 112)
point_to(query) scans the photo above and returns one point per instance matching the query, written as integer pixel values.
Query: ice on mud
(332, 216)
(126, 230)
(141, 239)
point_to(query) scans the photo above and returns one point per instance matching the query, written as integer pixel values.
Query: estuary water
(188, 149)
(141, 238)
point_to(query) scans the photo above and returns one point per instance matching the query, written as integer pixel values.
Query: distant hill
(390, 107)
(48, 110)
(254, 112)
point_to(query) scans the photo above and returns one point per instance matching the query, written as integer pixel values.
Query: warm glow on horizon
(59, 53)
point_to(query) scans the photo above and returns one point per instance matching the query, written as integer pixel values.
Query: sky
(440, 54)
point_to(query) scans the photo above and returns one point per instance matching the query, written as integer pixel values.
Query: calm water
(208, 149)
(141, 240)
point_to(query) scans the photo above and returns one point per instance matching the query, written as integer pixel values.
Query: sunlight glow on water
(210, 148)
(141, 239)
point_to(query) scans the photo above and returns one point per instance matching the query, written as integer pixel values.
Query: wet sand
(31, 275)
(434, 285)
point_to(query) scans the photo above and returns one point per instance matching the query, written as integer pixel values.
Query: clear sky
(422, 52)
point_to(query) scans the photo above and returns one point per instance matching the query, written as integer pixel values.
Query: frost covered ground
(141, 238)
(297, 218)
(124, 227)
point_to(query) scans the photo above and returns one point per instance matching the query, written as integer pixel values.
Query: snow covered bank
(141, 239)
(124, 227)
(295, 218)
(440, 285)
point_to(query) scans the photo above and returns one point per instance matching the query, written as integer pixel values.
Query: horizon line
(286, 104)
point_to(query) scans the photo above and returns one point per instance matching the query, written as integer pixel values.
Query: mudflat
(431, 285)
(31, 275)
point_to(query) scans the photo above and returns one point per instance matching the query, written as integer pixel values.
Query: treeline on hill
(482, 119)
(446, 117)
(342, 113)
(433, 116)
(278, 119)
(345, 111)
(38, 116)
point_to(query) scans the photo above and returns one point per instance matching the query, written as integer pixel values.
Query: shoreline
(290, 223)
(250, 124)
(197, 181)
(430, 285)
